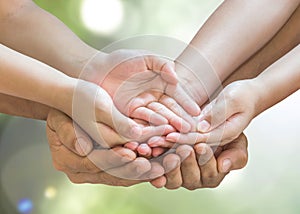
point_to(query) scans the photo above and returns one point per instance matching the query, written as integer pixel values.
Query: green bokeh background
(269, 183)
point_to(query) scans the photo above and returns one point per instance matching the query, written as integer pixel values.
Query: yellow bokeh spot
(50, 192)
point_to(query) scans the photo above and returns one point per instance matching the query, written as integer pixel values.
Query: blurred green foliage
(266, 186)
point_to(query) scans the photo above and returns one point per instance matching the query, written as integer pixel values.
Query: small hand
(226, 117)
(128, 74)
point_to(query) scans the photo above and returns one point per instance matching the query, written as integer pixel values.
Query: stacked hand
(144, 88)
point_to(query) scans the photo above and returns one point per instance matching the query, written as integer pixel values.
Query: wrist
(62, 96)
(258, 91)
(93, 66)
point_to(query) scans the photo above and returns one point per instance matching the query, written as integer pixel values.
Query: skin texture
(241, 101)
(37, 49)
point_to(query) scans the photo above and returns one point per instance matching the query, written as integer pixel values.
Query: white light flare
(102, 16)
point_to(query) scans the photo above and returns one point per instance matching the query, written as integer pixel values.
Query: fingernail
(82, 146)
(203, 151)
(226, 165)
(143, 149)
(203, 126)
(173, 137)
(200, 149)
(184, 154)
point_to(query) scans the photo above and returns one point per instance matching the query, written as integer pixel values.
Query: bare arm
(28, 29)
(285, 40)
(21, 107)
(235, 31)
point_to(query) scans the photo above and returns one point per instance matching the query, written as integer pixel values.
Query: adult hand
(200, 167)
(74, 155)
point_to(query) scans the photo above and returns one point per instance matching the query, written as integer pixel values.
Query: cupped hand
(74, 154)
(202, 166)
(225, 118)
(126, 74)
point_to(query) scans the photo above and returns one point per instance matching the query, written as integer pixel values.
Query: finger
(156, 171)
(100, 178)
(133, 170)
(125, 126)
(173, 119)
(69, 133)
(178, 110)
(189, 167)
(183, 99)
(234, 156)
(144, 150)
(132, 146)
(148, 115)
(67, 161)
(189, 138)
(157, 151)
(226, 132)
(143, 100)
(106, 159)
(159, 182)
(171, 164)
(151, 131)
(208, 166)
(160, 141)
(165, 67)
(215, 114)
(108, 137)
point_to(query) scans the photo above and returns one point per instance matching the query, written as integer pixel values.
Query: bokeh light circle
(102, 16)
(25, 206)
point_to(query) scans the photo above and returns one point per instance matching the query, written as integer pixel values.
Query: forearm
(27, 78)
(235, 31)
(284, 41)
(24, 108)
(32, 31)
(278, 81)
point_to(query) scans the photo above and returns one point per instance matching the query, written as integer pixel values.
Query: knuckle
(210, 175)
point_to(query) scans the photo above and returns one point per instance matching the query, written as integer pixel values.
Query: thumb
(234, 156)
(164, 66)
(68, 133)
(214, 114)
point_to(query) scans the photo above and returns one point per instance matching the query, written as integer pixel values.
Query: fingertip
(132, 145)
(173, 137)
(144, 150)
(169, 73)
(159, 182)
(142, 165)
(226, 165)
(157, 151)
(156, 170)
(126, 155)
(203, 126)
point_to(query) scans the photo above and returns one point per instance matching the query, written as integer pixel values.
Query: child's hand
(134, 79)
(225, 118)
